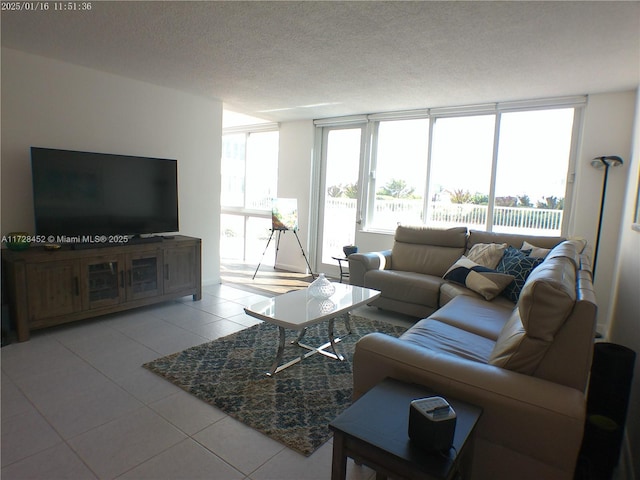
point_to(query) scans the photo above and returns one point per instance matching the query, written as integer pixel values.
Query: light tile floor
(76, 403)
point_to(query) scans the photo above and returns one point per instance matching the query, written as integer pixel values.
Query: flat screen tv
(85, 193)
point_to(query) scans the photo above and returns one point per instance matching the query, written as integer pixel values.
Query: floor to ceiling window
(505, 172)
(532, 168)
(502, 167)
(249, 183)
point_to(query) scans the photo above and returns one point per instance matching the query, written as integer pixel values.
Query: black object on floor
(607, 403)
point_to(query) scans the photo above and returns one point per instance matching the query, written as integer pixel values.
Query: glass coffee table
(298, 310)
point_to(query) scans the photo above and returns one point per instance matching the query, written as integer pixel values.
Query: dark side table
(343, 273)
(374, 432)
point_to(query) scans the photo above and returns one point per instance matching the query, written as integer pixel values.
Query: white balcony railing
(388, 213)
(340, 213)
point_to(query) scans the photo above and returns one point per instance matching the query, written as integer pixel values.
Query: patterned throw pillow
(485, 281)
(533, 251)
(487, 254)
(519, 265)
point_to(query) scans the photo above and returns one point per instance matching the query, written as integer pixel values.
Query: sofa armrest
(531, 416)
(361, 263)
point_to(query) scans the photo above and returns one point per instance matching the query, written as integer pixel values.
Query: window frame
(367, 189)
(372, 185)
(247, 213)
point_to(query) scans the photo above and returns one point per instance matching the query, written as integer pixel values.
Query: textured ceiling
(294, 60)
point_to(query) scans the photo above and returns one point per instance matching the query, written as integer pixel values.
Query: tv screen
(84, 193)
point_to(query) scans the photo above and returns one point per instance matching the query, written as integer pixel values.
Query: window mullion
(494, 173)
(369, 192)
(246, 155)
(427, 189)
(567, 220)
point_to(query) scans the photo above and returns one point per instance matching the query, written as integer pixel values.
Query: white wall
(294, 181)
(58, 105)
(625, 321)
(607, 130)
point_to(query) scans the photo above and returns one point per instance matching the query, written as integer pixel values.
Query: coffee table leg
(332, 340)
(300, 336)
(278, 366)
(347, 323)
(278, 360)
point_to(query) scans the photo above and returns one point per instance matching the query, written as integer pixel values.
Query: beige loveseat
(525, 363)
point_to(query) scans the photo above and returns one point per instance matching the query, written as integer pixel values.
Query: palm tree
(551, 203)
(524, 201)
(506, 201)
(397, 189)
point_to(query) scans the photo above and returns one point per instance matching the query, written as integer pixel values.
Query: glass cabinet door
(144, 275)
(104, 281)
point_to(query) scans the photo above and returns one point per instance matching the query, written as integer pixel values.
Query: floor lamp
(603, 162)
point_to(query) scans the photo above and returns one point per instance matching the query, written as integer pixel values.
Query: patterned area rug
(297, 404)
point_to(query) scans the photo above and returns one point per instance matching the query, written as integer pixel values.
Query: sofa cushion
(513, 239)
(483, 280)
(519, 265)
(537, 252)
(450, 237)
(450, 290)
(475, 315)
(487, 254)
(580, 244)
(443, 338)
(409, 287)
(515, 350)
(568, 249)
(432, 260)
(546, 301)
(548, 297)
(443, 248)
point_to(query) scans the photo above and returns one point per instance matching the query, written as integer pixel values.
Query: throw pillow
(534, 251)
(487, 254)
(483, 280)
(519, 265)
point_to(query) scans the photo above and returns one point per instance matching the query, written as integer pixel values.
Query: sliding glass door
(342, 149)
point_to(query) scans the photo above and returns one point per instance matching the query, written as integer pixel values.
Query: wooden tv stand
(46, 288)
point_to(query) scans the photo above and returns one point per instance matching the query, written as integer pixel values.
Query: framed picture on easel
(284, 214)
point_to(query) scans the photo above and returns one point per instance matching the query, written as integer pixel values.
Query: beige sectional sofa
(525, 363)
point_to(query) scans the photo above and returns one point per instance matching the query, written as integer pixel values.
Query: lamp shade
(607, 161)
